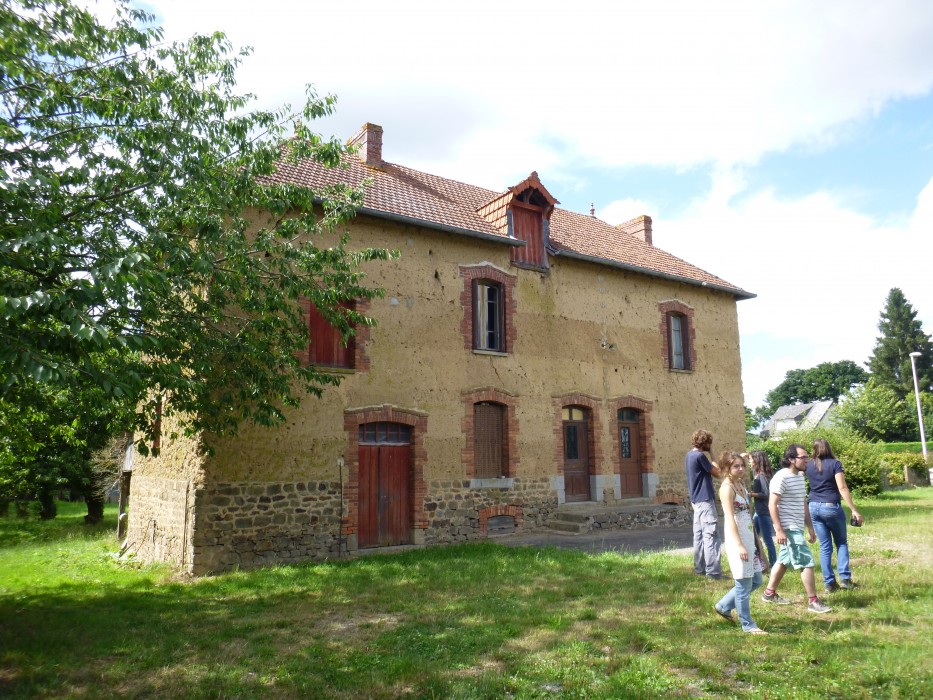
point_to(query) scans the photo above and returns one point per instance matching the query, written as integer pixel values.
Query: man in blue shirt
(700, 473)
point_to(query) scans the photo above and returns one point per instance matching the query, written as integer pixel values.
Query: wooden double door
(385, 515)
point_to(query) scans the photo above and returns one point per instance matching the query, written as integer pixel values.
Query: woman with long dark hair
(761, 492)
(828, 489)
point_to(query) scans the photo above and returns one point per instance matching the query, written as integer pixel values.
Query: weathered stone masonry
(458, 513)
(244, 524)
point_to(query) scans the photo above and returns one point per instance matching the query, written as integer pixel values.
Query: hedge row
(868, 465)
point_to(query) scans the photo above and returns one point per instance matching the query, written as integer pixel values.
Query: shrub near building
(861, 459)
(904, 468)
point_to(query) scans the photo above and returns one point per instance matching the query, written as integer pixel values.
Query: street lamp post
(923, 435)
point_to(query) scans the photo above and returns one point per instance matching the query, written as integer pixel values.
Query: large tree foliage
(48, 435)
(131, 182)
(901, 334)
(876, 411)
(826, 381)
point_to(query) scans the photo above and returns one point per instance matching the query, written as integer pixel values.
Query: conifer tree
(901, 334)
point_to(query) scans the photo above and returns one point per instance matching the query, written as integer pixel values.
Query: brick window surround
(501, 509)
(594, 440)
(360, 340)
(646, 428)
(511, 426)
(666, 308)
(352, 420)
(487, 271)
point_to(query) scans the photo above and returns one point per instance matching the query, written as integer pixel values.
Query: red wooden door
(384, 495)
(576, 461)
(630, 458)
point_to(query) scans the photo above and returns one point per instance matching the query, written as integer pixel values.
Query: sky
(786, 147)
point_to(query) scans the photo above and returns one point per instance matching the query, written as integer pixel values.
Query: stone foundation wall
(160, 520)
(243, 525)
(656, 516)
(456, 512)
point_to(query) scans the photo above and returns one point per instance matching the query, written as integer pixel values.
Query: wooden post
(123, 517)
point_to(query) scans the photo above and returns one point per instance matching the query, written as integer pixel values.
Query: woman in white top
(742, 548)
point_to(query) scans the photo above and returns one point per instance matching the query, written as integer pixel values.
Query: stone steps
(634, 513)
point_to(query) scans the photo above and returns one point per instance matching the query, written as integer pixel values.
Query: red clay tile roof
(398, 191)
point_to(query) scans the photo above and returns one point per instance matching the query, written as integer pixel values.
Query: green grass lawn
(471, 621)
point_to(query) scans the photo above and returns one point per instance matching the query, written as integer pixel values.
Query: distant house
(801, 415)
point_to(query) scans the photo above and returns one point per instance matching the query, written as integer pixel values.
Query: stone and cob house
(526, 359)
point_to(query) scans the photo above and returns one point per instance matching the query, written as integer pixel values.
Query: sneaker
(815, 606)
(723, 615)
(832, 587)
(755, 630)
(714, 577)
(774, 598)
(848, 584)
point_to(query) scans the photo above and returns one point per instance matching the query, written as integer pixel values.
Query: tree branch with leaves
(138, 215)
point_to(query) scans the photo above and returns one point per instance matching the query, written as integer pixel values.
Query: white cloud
(482, 92)
(485, 92)
(622, 210)
(821, 272)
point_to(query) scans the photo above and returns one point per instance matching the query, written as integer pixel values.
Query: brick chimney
(640, 227)
(369, 141)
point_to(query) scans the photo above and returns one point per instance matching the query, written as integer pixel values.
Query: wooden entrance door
(384, 485)
(576, 455)
(630, 467)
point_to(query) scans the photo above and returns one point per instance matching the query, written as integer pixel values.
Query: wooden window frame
(669, 311)
(677, 340)
(482, 470)
(486, 274)
(508, 401)
(488, 328)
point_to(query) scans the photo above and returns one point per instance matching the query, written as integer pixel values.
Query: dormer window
(527, 223)
(524, 211)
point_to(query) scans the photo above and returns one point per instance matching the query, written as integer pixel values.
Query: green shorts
(795, 553)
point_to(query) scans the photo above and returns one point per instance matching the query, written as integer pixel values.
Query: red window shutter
(489, 440)
(326, 346)
(528, 226)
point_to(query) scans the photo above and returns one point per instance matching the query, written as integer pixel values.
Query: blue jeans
(739, 597)
(829, 521)
(765, 528)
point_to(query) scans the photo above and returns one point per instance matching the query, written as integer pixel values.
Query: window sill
(494, 353)
(500, 483)
(680, 371)
(543, 269)
(335, 370)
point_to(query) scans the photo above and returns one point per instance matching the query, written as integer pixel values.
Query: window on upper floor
(326, 346)
(529, 223)
(678, 336)
(490, 440)
(487, 298)
(488, 316)
(678, 346)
